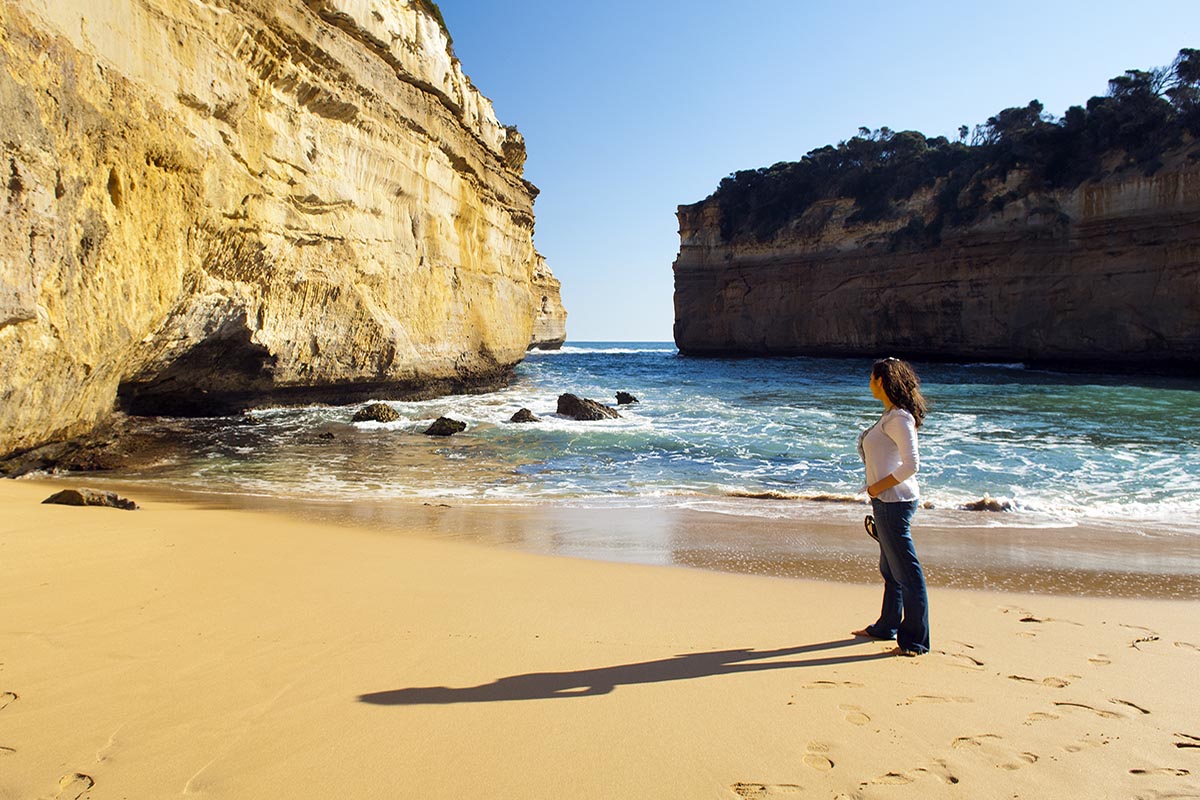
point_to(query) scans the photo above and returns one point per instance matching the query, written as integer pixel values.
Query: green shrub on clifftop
(1143, 114)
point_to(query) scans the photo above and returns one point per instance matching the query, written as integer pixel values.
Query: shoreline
(1078, 560)
(226, 653)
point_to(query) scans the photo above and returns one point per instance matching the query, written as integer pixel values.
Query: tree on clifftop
(1143, 114)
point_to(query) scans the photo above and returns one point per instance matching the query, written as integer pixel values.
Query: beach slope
(184, 650)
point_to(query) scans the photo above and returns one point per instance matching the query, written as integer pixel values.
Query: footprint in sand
(963, 660)
(1149, 635)
(937, 768)
(1056, 683)
(1029, 618)
(833, 685)
(1134, 706)
(817, 757)
(974, 741)
(935, 698)
(893, 779)
(1097, 711)
(1179, 773)
(5, 699)
(989, 744)
(940, 769)
(1188, 646)
(760, 791)
(1027, 757)
(855, 715)
(1085, 744)
(1039, 716)
(1187, 740)
(1015, 610)
(1100, 660)
(74, 786)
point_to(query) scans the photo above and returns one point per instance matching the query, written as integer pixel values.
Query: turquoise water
(1063, 448)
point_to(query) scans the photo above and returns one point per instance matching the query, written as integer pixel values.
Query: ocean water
(711, 434)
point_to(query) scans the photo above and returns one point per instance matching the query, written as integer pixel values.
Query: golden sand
(185, 650)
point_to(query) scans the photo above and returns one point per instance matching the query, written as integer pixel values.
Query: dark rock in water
(376, 412)
(581, 408)
(120, 442)
(625, 398)
(765, 495)
(249, 419)
(987, 503)
(90, 497)
(524, 415)
(326, 435)
(444, 426)
(824, 497)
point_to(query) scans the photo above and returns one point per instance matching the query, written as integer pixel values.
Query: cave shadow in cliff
(603, 680)
(216, 377)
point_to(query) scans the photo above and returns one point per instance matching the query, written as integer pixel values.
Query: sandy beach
(186, 649)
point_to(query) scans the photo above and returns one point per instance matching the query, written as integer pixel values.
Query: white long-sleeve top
(889, 447)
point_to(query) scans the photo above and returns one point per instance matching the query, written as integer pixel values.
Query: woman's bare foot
(866, 633)
(900, 651)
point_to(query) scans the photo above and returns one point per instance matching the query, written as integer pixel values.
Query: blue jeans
(905, 613)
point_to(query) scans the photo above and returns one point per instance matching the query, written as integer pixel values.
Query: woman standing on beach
(889, 451)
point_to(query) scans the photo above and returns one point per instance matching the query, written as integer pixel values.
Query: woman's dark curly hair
(902, 386)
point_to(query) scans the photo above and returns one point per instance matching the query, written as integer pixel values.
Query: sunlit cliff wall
(215, 203)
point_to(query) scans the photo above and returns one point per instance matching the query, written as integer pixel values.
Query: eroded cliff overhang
(217, 204)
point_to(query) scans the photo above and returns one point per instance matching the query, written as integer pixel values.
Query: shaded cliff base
(161, 398)
(1128, 370)
(154, 426)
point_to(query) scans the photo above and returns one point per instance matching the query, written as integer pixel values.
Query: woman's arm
(903, 431)
(882, 485)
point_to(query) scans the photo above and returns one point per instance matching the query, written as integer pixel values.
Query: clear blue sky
(632, 108)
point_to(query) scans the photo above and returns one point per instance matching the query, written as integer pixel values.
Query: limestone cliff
(1105, 274)
(550, 326)
(216, 203)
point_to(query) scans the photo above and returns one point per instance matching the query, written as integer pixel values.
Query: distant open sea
(1062, 448)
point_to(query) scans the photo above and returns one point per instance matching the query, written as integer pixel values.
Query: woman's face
(877, 389)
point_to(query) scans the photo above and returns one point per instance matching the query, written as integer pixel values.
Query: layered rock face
(230, 202)
(550, 325)
(1104, 276)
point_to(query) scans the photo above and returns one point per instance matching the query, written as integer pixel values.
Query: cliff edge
(1072, 242)
(215, 204)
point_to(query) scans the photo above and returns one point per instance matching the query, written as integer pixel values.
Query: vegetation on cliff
(1144, 114)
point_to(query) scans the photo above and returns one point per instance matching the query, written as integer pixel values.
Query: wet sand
(192, 648)
(966, 550)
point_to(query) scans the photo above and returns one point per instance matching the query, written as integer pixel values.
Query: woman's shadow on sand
(590, 682)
